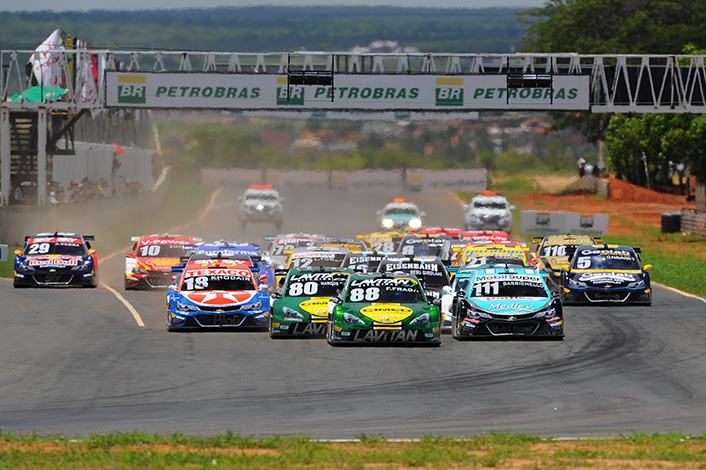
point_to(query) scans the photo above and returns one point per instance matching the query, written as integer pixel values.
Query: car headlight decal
(186, 307)
(574, 283)
(348, 318)
(423, 319)
(637, 284)
(291, 313)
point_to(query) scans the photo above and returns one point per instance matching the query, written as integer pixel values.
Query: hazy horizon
(135, 5)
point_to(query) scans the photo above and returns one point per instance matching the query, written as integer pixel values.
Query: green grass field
(230, 451)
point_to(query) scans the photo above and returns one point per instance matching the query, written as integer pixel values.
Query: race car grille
(513, 328)
(610, 296)
(53, 278)
(218, 308)
(226, 319)
(387, 326)
(522, 316)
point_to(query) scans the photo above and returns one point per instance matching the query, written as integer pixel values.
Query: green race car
(383, 308)
(300, 309)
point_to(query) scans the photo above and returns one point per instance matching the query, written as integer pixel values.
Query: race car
(150, 263)
(400, 214)
(430, 271)
(494, 236)
(452, 232)
(312, 257)
(480, 254)
(216, 293)
(606, 274)
(367, 261)
(226, 248)
(438, 246)
(506, 301)
(261, 203)
(281, 246)
(488, 211)
(383, 242)
(56, 259)
(382, 308)
(301, 308)
(553, 252)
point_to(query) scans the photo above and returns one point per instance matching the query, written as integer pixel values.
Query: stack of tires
(671, 222)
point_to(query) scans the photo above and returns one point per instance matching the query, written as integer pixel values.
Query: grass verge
(136, 450)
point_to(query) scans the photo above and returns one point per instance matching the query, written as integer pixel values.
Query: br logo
(449, 92)
(296, 96)
(132, 89)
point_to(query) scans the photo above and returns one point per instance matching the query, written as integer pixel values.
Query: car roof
(176, 239)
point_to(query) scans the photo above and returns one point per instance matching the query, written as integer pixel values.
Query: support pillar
(41, 156)
(5, 155)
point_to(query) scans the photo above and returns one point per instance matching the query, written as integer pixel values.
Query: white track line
(685, 294)
(119, 296)
(127, 305)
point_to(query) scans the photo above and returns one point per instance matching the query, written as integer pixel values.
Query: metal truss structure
(616, 84)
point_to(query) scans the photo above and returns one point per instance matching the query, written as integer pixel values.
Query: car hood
(511, 305)
(220, 297)
(387, 313)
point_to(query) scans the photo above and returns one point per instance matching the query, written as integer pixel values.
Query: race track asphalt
(75, 361)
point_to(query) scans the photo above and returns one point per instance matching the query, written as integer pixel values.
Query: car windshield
(385, 290)
(422, 249)
(495, 259)
(605, 259)
(315, 285)
(328, 261)
(70, 249)
(262, 197)
(489, 205)
(161, 251)
(508, 286)
(228, 282)
(408, 210)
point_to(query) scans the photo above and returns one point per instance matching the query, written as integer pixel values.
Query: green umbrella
(39, 94)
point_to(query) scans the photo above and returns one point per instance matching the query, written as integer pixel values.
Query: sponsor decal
(53, 261)
(417, 267)
(307, 328)
(512, 306)
(607, 277)
(525, 93)
(385, 335)
(386, 313)
(316, 306)
(132, 89)
(449, 92)
(65, 240)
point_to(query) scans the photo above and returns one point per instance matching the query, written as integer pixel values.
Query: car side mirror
(172, 288)
(130, 255)
(555, 294)
(647, 267)
(565, 268)
(337, 300)
(92, 251)
(436, 302)
(512, 208)
(276, 295)
(18, 253)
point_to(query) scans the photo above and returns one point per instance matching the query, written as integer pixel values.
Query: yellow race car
(553, 252)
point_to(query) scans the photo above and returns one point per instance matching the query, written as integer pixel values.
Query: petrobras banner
(350, 92)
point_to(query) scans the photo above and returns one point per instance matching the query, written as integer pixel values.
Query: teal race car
(505, 301)
(300, 309)
(383, 308)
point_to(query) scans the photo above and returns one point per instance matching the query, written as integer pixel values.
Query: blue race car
(56, 259)
(217, 293)
(505, 301)
(606, 274)
(235, 249)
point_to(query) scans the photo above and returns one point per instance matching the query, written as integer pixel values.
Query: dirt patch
(629, 206)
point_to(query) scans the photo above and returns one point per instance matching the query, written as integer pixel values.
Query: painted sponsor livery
(385, 336)
(512, 306)
(53, 261)
(607, 277)
(386, 313)
(317, 306)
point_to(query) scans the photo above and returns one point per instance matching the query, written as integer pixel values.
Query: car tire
(329, 334)
(454, 328)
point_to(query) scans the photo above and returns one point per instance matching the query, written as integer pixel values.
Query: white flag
(46, 60)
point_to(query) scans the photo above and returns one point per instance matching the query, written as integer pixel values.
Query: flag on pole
(46, 60)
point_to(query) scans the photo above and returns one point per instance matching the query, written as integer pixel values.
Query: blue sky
(83, 5)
